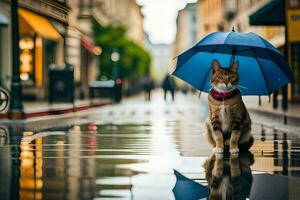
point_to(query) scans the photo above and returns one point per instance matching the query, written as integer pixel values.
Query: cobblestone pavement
(130, 151)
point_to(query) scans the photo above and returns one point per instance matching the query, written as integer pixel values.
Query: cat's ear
(235, 66)
(215, 65)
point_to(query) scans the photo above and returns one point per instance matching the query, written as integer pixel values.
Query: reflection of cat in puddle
(229, 178)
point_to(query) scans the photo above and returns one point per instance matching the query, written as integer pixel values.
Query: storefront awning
(271, 14)
(88, 46)
(3, 20)
(39, 24)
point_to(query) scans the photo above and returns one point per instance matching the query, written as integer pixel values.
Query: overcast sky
(160, 18)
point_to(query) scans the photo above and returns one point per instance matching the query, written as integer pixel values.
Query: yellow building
(210, 14)
(221, 15)
(126, 13)
(41, 43)
(136, 23)
(241, 10)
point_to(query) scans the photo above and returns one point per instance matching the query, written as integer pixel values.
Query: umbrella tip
(233, 29)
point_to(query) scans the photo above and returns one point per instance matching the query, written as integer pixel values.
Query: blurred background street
(89, 109)
(129, 151)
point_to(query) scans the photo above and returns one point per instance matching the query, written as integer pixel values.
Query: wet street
(145, 150)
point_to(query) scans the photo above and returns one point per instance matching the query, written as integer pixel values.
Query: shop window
(26, 45)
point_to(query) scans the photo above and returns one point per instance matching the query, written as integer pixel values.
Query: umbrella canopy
(187, 189)
(262, 68)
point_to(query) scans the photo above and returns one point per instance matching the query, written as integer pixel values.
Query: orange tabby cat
(228, 122)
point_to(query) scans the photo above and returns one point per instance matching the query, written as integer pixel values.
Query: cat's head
(224, 79)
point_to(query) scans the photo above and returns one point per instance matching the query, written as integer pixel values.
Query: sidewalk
(266, 109)
(41, 109)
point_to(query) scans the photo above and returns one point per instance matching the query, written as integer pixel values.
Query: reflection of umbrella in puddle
(187, 189)
(264, 186)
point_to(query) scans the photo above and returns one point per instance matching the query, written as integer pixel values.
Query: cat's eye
(220, 78)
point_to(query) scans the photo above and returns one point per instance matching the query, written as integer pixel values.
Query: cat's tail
(246, 145)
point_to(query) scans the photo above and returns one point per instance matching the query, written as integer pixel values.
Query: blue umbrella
(187, 189)
(262, 68)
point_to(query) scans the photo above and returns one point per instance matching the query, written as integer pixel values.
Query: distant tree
(134, 60)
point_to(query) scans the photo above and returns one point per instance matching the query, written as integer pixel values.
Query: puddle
(137, 161)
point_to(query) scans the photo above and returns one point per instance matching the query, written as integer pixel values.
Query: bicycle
(4, 99)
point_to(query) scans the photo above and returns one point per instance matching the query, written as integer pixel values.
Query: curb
(60, 111)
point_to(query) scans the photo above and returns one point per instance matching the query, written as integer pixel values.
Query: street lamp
(16, 106)
(115, 57)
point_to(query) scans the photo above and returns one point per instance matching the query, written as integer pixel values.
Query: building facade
(126, 13)
(161, 58)
(187, 28)
(221, 15)
(42, 29)
(56, 32)
(81, 52)
(237, 15)
(210, 15)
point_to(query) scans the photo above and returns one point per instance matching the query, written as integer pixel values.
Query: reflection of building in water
(31, 169)
(50, 175)
(88, 164)
(54, 175)
(277, 155)
(5, 165)
(73, 164)
(261, 149)
(185, 138)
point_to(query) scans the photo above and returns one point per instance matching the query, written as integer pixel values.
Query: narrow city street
(140, 150)
(84, 113)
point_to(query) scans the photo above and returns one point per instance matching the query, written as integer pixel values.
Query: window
(27, 59)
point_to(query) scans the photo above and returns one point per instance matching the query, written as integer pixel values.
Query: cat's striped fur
(228, 123)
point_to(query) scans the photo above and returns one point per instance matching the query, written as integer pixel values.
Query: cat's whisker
(242, 86)
(225, 106)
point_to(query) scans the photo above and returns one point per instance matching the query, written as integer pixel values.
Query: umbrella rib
(268, 50)
(277, 64)
(263, 73)
(227, 38)
(215, 49)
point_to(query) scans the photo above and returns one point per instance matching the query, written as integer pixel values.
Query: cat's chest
(224, 117)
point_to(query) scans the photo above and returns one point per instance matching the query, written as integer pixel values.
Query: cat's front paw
(234, 151)
(218, 151)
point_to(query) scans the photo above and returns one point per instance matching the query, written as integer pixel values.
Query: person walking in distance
(168, 85)
(148, 86)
